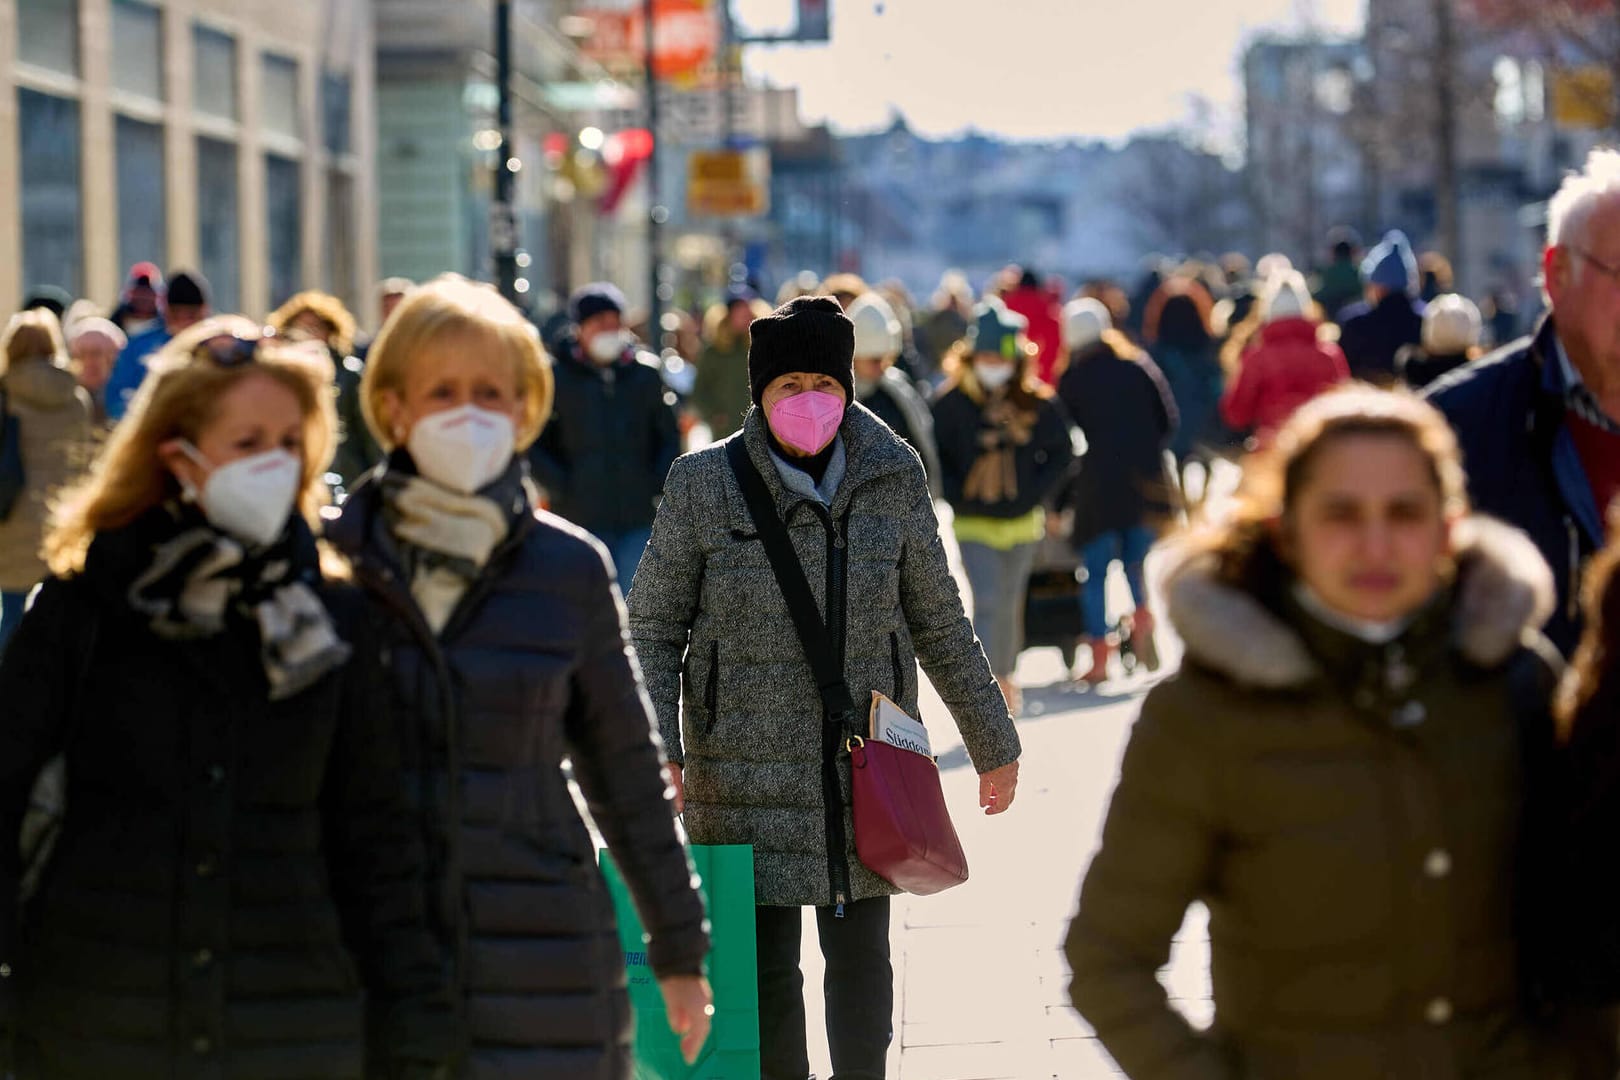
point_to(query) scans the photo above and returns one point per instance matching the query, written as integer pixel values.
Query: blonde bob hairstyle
(179, 399)
(1241, 541)
(32, 335)
(453, 310)
(340, 326)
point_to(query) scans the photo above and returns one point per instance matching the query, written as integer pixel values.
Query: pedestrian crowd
(308, 640)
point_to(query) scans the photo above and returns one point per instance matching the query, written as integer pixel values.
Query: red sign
(686, 36)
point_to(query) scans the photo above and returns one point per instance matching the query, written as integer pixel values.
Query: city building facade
(233, 138)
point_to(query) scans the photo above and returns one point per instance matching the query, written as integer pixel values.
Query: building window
(217, 222)
(284, 226)
(48, 34)
(214, 82)
(137, 56)
(340, 238)
(278, 96)
(49, 141)
(335, 112)
(142, 231)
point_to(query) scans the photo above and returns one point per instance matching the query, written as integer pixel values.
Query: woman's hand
(689, 1005)
(677, 782)
(998, 787)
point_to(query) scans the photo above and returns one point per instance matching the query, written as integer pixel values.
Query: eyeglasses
(233, 350)
(1609, 270)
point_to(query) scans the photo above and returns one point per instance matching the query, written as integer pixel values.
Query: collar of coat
(1503, 594)
(871, 449)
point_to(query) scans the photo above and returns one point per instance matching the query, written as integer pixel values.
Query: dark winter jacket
(735, 696)
(1418, 368)
(1194, 375)
(1371, 335)
(897, 402)
(357, 451)
(1508, 412)
(1124, 409)
(603, 457)
(1042, 463)
(1285, 367)
(533, 666)
(721, 394)
(1349, 813)
(1340, 285)
(234, 877)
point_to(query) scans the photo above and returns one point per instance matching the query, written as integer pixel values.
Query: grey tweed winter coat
(736, 702)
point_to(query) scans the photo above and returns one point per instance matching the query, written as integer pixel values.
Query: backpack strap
(801, 602)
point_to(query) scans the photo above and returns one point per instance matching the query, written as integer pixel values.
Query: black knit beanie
(811, 334)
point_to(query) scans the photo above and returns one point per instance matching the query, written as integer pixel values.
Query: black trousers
(859, 989)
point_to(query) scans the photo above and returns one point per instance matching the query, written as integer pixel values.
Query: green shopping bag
(732, 1052)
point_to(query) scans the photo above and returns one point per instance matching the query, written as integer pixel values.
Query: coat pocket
(899, 668)
(711, 687)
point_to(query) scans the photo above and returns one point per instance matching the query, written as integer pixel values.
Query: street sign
(729, 183)
(686, 36)
(1583, 97)
(699, 116)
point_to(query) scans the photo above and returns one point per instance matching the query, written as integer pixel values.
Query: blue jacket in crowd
(130, 369)
(1371, 335)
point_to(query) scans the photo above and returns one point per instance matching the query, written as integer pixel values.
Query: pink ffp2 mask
(807, 422)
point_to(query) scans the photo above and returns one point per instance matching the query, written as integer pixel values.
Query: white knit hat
(1284, 296)
(877, 331)
(1450, 325)
(1084, 321)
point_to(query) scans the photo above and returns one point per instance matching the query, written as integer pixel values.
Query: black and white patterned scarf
(197, 577)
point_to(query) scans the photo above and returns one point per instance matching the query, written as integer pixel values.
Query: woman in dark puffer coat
(504, 635)
(235, 880)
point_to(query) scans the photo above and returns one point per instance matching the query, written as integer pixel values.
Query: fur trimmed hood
(1504, 593)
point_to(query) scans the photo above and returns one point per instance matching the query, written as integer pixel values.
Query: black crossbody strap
(801, 602)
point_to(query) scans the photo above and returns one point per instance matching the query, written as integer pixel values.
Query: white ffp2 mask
(462, 448)
(250, 498)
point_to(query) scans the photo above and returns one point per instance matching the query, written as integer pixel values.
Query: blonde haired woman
(40, 395)
(313, 315)
(1338, 772)
(235, 880)
(504, 636)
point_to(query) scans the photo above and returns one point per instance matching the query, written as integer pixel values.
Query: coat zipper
(832, 742)
(711, 691)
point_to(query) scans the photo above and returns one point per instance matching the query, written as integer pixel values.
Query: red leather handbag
(903, 833)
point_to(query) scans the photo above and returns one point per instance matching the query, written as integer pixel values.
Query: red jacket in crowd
(1283, 369)
(1045, 327)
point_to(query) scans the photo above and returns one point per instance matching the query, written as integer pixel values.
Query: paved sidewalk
(980, 974)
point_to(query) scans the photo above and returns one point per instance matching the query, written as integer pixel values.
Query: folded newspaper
(891, 724)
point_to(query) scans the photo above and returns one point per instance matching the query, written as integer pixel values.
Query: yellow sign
(1583, 97)
(729, 183)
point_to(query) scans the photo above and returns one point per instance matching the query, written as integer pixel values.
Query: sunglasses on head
(234, 350)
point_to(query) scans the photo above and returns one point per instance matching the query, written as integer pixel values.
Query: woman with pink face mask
(754, 756)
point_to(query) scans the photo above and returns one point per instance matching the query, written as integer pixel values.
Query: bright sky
(1029, 69)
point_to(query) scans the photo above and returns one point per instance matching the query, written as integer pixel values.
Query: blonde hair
(452, 307)
(179, 399)
(324, 306)
(1273, 479)
(32, 335)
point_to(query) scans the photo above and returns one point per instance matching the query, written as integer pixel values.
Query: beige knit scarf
(449, 538)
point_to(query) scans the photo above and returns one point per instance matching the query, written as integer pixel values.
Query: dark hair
(1178, 315)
